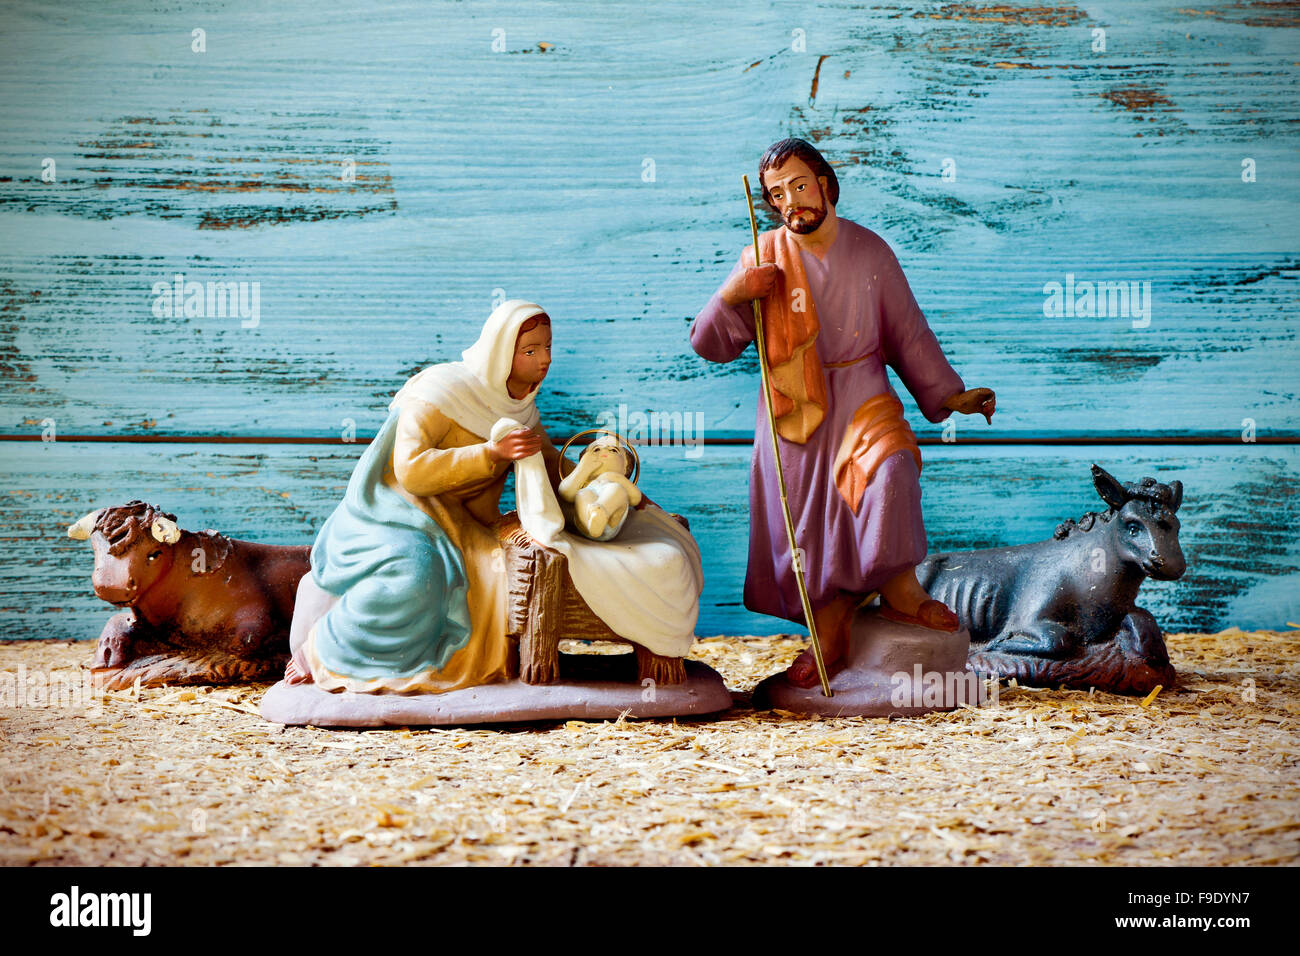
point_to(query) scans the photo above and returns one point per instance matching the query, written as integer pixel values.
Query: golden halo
(636, 459)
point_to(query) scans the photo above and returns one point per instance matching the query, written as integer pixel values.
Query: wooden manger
(543, 606)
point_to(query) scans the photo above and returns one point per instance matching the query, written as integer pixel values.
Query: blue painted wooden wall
(382, 173)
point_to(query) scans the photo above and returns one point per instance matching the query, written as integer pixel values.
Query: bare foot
(931, 614)
(903, 599)
(297, 672)
(833, 628)
(803, 672)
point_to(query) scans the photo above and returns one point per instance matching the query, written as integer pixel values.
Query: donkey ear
(1111, 491)
(1177, 488)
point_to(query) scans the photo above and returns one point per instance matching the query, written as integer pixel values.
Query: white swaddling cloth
(645, 584)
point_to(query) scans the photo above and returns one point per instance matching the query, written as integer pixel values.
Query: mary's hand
(520, 443)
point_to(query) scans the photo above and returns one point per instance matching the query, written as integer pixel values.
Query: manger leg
(661, 670)
(539, 644)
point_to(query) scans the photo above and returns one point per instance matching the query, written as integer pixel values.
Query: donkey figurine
(1062, 612)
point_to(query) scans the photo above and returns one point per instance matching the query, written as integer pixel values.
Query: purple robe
(864, 307)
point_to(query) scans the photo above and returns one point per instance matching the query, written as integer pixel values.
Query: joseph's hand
(975, 401)
(753, 283)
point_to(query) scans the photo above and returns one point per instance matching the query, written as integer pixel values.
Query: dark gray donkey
(1062, 612)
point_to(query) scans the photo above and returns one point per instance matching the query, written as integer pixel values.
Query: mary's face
(532, 357)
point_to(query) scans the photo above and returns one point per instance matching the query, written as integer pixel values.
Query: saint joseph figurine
(837, 310)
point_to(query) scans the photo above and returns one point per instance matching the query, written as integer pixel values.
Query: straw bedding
(1203, 774)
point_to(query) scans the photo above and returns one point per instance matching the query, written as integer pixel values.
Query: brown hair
(778, 153)
(529, 324)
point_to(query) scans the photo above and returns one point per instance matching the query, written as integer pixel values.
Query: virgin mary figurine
(406, 592)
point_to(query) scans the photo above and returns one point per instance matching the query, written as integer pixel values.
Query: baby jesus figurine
(601, 490)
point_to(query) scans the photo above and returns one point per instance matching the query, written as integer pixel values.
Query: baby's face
(607, 454)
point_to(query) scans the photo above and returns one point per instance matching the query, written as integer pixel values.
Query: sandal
(932, 614)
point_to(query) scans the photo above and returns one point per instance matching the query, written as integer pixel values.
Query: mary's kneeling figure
(408, 590)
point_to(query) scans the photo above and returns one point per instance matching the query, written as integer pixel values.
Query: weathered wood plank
(522, 170)
(300, 374)
(1240, 518)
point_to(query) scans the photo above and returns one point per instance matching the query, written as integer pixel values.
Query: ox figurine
(201, 608)
(1062, 612)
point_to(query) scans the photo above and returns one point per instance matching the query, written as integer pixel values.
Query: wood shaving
(1203, 773)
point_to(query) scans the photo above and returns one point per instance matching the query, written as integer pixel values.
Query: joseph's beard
(805, 226)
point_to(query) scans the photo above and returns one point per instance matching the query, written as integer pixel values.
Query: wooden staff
(761, 343)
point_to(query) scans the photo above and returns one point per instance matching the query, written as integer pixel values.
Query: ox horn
(165, 530)
(84, 526)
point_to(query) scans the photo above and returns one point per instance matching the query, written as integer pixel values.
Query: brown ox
(201, 608)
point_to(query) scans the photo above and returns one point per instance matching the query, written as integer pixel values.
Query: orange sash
(877, 431)
(790, 327)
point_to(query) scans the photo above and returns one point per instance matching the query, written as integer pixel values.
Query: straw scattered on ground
(1202, 774)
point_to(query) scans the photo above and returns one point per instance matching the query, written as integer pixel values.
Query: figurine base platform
(892, 670)
(595, 687)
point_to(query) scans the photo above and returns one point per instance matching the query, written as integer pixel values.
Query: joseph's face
(797, 195)
(532, 356)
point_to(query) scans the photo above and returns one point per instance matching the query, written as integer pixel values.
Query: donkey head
(1145, 523)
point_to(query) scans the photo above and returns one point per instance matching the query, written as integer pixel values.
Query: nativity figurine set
(421, 603)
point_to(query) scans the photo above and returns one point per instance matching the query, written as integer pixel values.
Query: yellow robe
(446, 471)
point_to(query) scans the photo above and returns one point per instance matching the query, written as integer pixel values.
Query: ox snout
(114, 589)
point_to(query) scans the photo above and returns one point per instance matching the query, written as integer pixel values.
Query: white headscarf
(473, 392)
